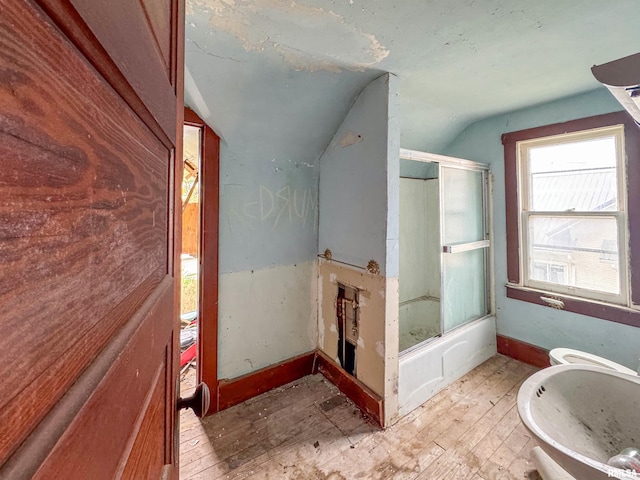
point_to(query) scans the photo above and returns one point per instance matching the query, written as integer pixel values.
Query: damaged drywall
(349, 138)
(377, 344)
(370, 366)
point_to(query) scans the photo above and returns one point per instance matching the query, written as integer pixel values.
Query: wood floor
(308, 430)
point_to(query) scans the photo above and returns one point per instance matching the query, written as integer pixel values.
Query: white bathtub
(426, 370)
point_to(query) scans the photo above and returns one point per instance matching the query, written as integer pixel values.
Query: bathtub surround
(451, 196)
(420, 253)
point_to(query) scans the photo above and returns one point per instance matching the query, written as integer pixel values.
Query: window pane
(464, 287)
(463, 205)
(578, 176)
(575, 251)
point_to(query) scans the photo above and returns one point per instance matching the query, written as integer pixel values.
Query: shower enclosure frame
(451, 249)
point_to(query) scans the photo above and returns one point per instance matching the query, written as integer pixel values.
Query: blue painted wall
(359, 178)
(268, 209)
(274, 121)
(531, 323)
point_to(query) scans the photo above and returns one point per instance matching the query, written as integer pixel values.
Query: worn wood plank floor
(309, 430)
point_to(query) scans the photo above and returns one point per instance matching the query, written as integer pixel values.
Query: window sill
(591, 308)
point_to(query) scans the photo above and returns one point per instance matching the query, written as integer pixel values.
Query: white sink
(582, 415)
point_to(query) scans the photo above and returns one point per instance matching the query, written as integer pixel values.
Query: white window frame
(620, 214)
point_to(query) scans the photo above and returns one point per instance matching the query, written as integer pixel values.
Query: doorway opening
(199, 258)
(189, 274)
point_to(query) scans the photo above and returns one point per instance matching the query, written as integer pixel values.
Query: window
(570, 224)
(572, 210)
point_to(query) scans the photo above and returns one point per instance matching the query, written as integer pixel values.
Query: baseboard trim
(356, 391)
(236, 390)
(525, 352)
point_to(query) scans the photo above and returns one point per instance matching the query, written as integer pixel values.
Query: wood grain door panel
(104, 433)
(87, 355)
(85, 230)
(130, 36)
(158, 14)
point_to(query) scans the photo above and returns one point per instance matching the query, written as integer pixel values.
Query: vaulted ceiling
(279, 75)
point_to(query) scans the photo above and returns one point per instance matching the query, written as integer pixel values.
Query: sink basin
(582, 415)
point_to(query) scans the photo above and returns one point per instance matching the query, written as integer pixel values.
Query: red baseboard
(362, 396)
(237, 390)
(525, 352)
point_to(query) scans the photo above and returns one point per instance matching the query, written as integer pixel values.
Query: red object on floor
(188, 355)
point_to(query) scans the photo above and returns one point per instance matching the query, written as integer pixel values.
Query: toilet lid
(568, 355)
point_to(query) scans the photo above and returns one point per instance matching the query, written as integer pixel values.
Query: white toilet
(559, 356)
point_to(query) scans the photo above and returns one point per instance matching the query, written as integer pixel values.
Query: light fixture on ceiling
(622, 78)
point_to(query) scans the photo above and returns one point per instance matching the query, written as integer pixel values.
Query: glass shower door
(420, 284)
(465, 240)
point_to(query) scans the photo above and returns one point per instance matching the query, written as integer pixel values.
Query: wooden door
(90, 109)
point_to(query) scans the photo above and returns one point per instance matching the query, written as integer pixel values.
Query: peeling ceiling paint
(276, 25)
(270, 71)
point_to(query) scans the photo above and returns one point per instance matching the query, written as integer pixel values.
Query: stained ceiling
(278, 76)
